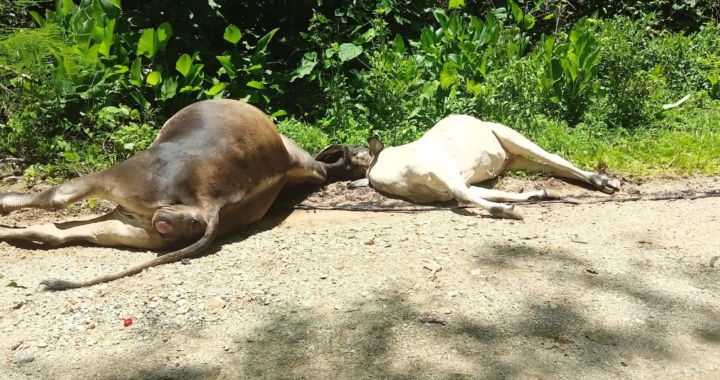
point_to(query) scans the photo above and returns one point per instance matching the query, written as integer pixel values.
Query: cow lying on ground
(459, 151)
(215, 167)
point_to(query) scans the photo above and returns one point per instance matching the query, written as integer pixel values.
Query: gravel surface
(590, 291)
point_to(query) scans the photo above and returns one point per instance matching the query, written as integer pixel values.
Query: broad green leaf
(140, 99)
(349, 51)
(136, 73)
(278, 114)
(399, 44)
(307, 64)
(227, 64)
(368, 35)
(92, 52)
(97, 34)
(528, 22)
(38, 18)
(168, 88)
(216, 89)
(478, 29)
(512, 50)
(71, 156)
(107, 38)
(263, 43)
(516, 11)
(453, 25)
(427, 40)
(573, 64)
(164, 33)
(184, 64)
(483, 64)
(87, 27)
(232, 34)
(154, 78)
(121, 69)
(102, 7)
(196, 75)
(713, 79)
(67, 6)
(456, 4)
(148, 44)
(70, 66)
(428, 91)
(441, 17)
(116, 3)
(255, 84)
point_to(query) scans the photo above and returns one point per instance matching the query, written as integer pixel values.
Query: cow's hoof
(506, 211)
(550, 194)
(605, 184)
(363, 182)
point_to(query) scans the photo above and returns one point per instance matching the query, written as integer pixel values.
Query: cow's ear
(376, 146)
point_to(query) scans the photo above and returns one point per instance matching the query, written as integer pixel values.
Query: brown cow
(215, 167)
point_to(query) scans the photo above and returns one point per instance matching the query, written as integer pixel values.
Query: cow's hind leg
(56, 197)
(111, 230)
(303, 168)
(518, 145)
(446, 172)
(503, 196)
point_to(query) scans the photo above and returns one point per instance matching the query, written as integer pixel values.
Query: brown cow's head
(346, 162)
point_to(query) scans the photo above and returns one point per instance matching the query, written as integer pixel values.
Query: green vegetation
(86, 83)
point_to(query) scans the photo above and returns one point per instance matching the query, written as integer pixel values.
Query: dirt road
(590, 291)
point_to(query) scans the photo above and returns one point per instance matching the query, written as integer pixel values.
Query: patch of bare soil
(616, 290)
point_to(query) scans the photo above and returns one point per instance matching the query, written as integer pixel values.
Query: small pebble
(27, 357)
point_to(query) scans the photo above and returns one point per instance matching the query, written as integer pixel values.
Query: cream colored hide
(460, 151)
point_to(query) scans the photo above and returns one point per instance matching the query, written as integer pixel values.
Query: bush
(91, 82)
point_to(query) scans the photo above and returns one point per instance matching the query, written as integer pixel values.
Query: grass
(688, 144)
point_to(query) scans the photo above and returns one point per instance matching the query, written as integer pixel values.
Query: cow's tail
(213, 222)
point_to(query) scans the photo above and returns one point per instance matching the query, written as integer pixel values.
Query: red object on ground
(128, 322)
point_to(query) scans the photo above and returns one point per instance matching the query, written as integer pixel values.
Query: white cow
(459, 151)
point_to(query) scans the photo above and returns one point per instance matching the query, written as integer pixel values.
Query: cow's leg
(503, 196)
(56, 197)
(518, 145)
(446, 172)
(110, 230)
(303, 168)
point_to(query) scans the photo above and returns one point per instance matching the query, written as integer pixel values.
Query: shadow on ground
(393, 338)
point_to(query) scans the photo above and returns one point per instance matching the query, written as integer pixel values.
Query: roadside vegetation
(631, 86)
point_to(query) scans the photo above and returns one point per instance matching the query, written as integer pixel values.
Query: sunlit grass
(688, 145)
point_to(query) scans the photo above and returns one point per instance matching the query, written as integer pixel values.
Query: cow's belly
(252, 206)
(475, 149)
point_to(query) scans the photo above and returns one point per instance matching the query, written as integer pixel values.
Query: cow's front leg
(56, 197)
